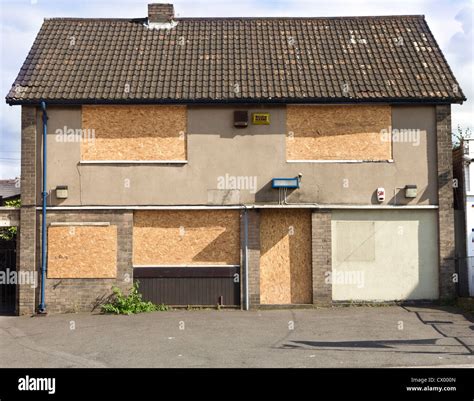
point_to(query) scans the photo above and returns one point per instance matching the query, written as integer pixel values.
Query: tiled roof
(342, 59)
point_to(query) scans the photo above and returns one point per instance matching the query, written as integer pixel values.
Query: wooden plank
(285, 261)
(138, 132)
(82, 252)
(185, 237)
(338, 132)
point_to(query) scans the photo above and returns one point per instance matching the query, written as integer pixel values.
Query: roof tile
(390, 58)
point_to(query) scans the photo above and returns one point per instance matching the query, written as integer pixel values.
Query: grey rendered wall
(216, 148)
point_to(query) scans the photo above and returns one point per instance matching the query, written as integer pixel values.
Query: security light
(410, 191)
(61, 192)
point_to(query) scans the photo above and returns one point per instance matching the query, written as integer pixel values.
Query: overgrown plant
(9, 233)
(459, 136)
(122, 304)
(13, 203)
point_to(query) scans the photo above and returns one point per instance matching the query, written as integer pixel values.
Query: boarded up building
(304, 173)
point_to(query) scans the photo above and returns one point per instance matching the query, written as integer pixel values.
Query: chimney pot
(159, 12)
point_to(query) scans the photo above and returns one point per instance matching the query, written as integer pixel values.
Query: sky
(451, 22)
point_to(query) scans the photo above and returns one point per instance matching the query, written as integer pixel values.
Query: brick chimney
(159, 13)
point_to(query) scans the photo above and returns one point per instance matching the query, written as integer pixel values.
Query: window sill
(341, 161)
(133, 162)
(183, 265)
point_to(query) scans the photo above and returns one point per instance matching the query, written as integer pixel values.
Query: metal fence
(7, 280)
(189, 285)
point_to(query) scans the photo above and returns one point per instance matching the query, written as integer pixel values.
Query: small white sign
(4, 222)
(7, 222)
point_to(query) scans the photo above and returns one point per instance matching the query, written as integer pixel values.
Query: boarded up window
(285, 261)
(197, 237)
(355, 241)
(82, 252)
(134, 133)
(338, 133)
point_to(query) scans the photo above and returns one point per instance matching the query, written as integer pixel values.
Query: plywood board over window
(356, 132)
(82, 252)
(135, 133)
(285, 259)
(176, 237)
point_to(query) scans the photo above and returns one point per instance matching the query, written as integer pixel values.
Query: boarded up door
(285, 261)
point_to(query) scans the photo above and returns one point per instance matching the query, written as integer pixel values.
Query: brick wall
(26, 295)
(28, 156)
(160, 12)
(321, 256)
(458, 175)
(73, 295)
(447, 287)
(254, 257)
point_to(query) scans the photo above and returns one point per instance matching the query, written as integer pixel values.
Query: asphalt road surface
(385, 336)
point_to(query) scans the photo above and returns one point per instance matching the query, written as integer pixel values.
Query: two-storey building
(236, 161)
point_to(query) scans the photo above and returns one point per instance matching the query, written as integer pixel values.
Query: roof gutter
(80, 102)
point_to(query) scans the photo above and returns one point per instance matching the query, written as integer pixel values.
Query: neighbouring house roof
(287, 60)
(9, 189)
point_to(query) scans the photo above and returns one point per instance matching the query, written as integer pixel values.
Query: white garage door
(384, 255)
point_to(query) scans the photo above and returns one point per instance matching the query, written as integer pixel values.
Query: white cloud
(9, 169)
(460, 51)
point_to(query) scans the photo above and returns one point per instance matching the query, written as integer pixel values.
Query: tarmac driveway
(387, 336)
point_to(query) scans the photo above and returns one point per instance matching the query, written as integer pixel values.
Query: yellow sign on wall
(261, 118)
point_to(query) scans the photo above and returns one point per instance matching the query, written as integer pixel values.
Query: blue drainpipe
(44, 193)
